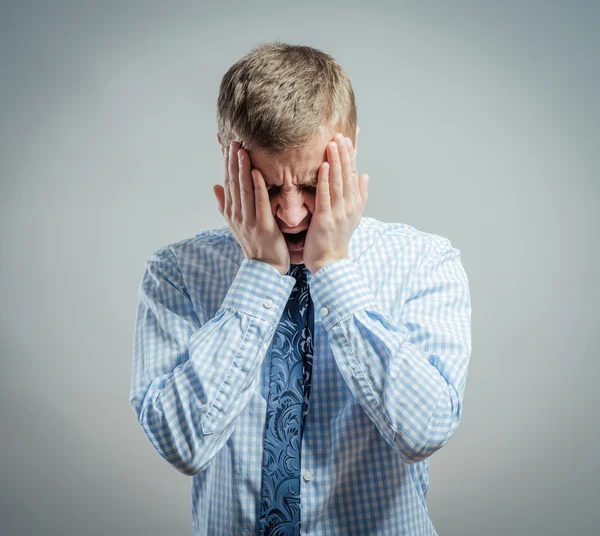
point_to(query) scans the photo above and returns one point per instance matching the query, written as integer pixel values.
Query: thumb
(218, 196)
(363, 188)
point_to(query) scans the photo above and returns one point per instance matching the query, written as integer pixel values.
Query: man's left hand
(340, 201)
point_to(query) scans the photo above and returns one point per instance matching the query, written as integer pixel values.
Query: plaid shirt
(392, 344)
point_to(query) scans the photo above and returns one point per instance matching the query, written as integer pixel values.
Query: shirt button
(268, 303)
(324, 311)
(307, 476)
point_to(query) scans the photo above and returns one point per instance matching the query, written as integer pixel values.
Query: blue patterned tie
(287, 405)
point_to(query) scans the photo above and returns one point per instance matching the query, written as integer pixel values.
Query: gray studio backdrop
(479, 122)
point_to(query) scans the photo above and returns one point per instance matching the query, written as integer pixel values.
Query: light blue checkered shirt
(392, 344)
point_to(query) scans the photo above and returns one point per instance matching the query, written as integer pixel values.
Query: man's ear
(222, 148)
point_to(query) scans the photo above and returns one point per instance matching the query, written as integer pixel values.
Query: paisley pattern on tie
(287, 406)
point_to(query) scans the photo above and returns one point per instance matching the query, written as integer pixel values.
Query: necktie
(287, 406)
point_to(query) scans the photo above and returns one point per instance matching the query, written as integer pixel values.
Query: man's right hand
(246, 207)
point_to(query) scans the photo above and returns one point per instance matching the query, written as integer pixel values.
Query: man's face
(291, 179)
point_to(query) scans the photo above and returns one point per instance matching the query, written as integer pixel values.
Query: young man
(303, 381)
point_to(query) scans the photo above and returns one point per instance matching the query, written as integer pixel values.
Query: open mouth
(295, 241)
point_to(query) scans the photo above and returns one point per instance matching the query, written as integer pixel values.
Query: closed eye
(275, 189)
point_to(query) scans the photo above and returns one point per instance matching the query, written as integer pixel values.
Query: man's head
(284, 103)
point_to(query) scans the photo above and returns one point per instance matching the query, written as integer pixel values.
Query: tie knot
(299, 272)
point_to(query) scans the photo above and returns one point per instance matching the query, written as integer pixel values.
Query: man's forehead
(302, 162)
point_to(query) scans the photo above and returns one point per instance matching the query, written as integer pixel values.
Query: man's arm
(408, 375)
(190, 381)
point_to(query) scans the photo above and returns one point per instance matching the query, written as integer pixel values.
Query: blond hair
(279, 96)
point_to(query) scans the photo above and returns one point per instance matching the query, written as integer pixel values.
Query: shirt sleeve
(189, 381)
(409, 375)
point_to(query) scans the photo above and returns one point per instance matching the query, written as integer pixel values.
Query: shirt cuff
(258, 289)
(338, 290)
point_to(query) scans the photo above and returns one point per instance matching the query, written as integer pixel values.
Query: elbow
(182, 455)
(177, 435)
(188, 459)
(415, 447)
(417, 452)
(417, 455)
(187, 453)
(185, 467)
(172, 441)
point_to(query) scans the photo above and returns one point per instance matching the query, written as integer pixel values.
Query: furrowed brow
(311, 181)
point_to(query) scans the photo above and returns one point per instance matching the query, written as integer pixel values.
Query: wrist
(316, 266)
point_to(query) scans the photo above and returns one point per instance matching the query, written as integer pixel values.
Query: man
(383, 334)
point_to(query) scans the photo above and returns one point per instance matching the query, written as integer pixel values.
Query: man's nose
(292, 209)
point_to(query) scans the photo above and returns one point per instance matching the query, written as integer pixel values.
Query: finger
(354, 173)
(246, 187)
(262, 204)
(363, 182)
(352, 152)
(236, 209)
(323, 198)
(346, 168)
(336, 186)
(227, 200)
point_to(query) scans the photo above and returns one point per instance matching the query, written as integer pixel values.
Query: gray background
(479, 122)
